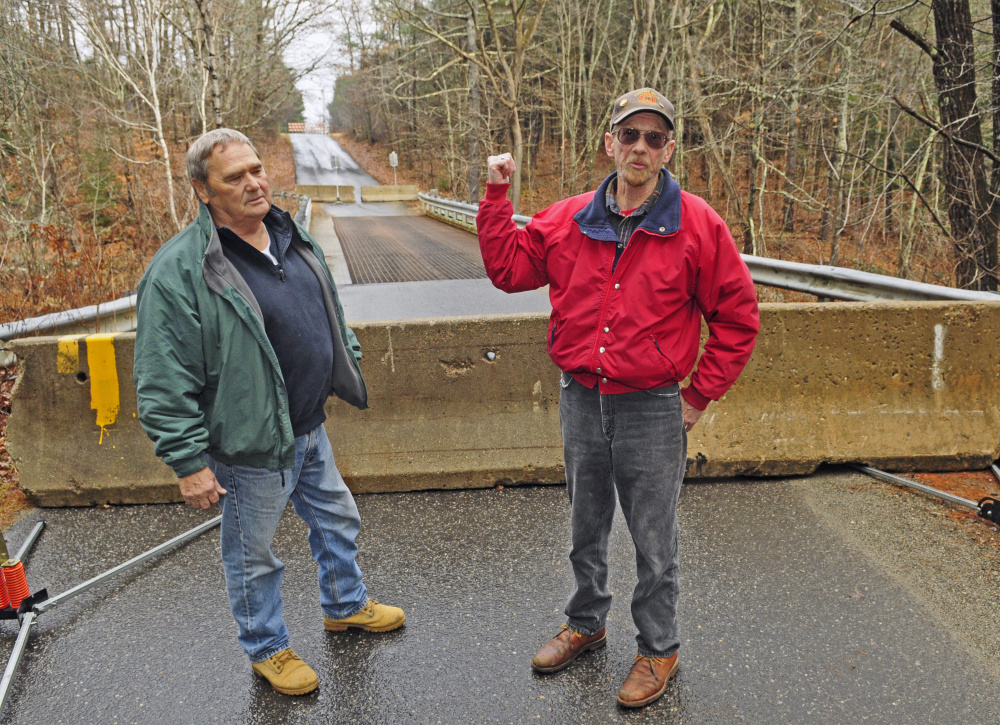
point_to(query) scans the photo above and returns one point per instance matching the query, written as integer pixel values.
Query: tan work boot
(647, 680)
(287, 673)
(373, 617)
(565, 647)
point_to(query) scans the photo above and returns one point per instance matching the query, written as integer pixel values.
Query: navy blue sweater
(295, 319)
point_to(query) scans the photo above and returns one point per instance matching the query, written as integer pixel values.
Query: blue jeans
(251, 510)
(633, 444)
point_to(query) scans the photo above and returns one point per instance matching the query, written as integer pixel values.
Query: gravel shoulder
(949, 564)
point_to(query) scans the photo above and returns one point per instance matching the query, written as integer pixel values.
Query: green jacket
(207, 379)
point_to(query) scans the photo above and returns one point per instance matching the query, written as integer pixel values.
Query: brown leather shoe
(647, 680)
(565, 647)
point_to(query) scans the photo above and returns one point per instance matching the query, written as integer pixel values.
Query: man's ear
(608, 139)
(671, 145)
(201, 190)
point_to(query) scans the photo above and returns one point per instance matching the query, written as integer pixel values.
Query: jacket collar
(663, 219)
(278, 221)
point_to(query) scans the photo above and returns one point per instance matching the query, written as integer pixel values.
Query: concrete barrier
(903, 386)
(330, 194)
(388, 193)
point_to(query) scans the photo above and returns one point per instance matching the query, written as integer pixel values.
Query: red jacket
(639, 327)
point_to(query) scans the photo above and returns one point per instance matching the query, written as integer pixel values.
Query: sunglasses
(654, 139)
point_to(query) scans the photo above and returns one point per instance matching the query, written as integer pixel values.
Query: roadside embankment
(467, 402)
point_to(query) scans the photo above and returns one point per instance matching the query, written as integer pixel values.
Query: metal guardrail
(458, 213)
(304, 214)
(115, 316)
(852, 285)
(826, 282)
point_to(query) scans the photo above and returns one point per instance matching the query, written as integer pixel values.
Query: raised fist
(501, 168)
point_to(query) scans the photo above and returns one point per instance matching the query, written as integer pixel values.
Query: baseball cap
(637, 101)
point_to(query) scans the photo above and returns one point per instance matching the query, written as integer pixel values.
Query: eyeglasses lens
(654, 139)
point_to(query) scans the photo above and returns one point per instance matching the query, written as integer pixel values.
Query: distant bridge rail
(823, 281)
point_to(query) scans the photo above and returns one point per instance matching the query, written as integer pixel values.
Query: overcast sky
(307, 49)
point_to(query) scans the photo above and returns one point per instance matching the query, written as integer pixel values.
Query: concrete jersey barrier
(330, 194)
(902, 386)
(388, 193)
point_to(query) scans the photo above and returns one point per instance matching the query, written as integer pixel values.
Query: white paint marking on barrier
(937, 381)
(389, 354)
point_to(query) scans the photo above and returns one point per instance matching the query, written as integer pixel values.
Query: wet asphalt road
(834, 599)
(321, 160)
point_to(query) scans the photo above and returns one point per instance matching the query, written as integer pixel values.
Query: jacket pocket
(552, 335)
(666, 358)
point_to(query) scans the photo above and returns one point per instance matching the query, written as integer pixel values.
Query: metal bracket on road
(987, 508)
(39, 602)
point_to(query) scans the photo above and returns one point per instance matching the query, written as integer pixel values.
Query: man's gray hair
(201, 149)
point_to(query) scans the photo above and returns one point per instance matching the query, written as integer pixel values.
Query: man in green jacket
(240, 340)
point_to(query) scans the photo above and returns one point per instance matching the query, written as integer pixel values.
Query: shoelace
(282, 658)
(652, 661)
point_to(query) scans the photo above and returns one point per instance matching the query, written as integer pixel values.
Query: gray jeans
(635, 444)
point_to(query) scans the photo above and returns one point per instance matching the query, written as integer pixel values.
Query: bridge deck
(407, 249)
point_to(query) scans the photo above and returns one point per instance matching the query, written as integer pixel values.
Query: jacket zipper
(670, 362)
(552, 336)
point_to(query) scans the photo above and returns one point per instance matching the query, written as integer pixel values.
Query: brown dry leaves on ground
(276, 153)
(970, 485)
(12, 499)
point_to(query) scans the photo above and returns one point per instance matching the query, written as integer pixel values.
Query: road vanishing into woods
(396, 263)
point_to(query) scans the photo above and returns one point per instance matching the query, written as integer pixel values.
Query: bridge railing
(824, 281)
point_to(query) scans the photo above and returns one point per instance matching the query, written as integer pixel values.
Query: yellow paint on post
(103, 379)
(68, 354)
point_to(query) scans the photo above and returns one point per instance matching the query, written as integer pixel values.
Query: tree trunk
(517, 141)
(475, 162)
(964, 168)
(211, 59)
(995, 92)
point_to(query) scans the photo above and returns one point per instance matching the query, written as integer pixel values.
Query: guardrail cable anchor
(988, 507)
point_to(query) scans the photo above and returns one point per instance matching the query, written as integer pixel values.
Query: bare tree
(140, 66)
(972, 222)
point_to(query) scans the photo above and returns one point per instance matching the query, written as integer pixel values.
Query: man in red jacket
(632, 269)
